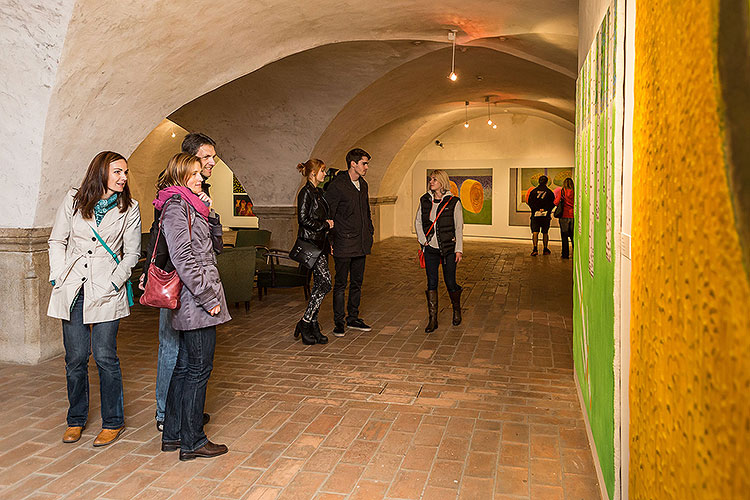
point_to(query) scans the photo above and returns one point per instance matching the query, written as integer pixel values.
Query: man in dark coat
(541, 200)
(352, 238)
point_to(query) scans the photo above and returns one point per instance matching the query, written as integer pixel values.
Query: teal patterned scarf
(103, 206)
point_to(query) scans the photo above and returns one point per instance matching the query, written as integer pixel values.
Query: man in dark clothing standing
(541, 200)
(204, 148)
(352, 238)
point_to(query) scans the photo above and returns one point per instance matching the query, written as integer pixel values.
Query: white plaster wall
(32, 33)
(519, 141)
(590, 14)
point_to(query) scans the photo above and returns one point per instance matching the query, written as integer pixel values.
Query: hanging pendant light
(452, 37)
(489, 115)
(466, 117)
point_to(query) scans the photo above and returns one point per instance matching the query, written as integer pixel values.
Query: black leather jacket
(312, 213)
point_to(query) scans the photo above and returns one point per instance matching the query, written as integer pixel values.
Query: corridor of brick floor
(485, 410)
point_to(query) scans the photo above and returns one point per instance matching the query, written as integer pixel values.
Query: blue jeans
(80, 341)
(432, 260)
(169, 346)
(187, 390)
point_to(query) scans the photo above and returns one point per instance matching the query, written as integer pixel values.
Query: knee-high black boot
(432, 310)
(456, 301)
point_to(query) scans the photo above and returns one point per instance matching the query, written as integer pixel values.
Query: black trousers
(351, 269)
(432, 260)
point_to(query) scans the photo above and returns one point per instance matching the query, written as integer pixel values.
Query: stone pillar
(281, 221)
(27, 334)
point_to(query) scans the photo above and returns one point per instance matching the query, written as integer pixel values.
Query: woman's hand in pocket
(215, 310)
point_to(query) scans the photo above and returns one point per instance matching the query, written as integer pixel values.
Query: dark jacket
(192, 250)
(352, 222)
(541, 198)
(445, 227)
(312, 213)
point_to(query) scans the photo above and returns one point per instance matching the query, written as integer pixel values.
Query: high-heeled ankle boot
(307, 333)
(432, 310)
(456, 301)
(319, 337)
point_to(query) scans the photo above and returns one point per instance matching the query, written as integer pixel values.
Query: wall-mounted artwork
(237, 187)
(529, 178)
(474, 187)
(243, 206)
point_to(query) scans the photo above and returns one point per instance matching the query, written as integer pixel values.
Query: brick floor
(480, 411)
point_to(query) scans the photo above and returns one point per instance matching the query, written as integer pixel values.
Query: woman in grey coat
(193, 233)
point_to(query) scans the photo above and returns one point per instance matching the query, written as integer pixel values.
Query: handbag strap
(156, 244)
(113, 254)
(436, 218)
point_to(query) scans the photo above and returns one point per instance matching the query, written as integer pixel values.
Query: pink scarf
(163, 195)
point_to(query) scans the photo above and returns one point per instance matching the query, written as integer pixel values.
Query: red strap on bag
(420, 252)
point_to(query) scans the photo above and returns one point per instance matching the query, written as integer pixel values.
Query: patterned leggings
(321, 286)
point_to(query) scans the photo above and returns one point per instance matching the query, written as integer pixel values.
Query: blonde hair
(442, 178)
(311, 166)
(178, 171)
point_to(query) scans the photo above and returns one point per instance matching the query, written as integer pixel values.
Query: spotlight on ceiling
(466, 116)
(452, 37)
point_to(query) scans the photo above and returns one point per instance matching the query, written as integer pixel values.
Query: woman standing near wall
(568, 195)
(314, 223)
(440, 226)
(95, 242)
(193, 232)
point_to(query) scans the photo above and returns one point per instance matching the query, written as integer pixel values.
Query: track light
(452, 37)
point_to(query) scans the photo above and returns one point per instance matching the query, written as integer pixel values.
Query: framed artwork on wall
(523, 179)
(243, 206)
(474, 187)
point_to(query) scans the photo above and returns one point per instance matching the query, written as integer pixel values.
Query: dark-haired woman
(314, 223)
(192, 231)
(95, 242)
(440, 224)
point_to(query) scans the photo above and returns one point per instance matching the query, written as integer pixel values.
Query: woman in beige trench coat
(94, 244)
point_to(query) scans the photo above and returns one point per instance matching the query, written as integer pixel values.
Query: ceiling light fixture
(466, 117)
(489, 115)
(452, 37)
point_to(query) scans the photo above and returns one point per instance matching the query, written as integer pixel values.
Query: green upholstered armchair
(237, 269)
(258, 238)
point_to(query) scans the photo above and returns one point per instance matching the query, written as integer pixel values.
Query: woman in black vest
(313, 216)
(442, 242)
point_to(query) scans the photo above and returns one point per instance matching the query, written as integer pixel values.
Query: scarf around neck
(165, 194)
(103, 206)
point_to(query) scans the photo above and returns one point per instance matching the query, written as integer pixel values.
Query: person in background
(349, 202)
(192, 231)
(567, 194)
(541, 200)
(440, 225)
(314, 223)
(203, 147)
(95, 242)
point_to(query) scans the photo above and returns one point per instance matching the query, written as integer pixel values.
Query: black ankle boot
(432, 310)
(319, 337)
(298, 329)
(308, 334)
(456, 301)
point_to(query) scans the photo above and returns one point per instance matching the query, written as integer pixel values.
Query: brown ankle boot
(432, 310)
(456, 301)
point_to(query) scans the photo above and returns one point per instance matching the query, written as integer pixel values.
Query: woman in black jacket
(314, 223)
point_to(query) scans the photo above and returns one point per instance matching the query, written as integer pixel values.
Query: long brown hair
(178, 171)
(94, 185)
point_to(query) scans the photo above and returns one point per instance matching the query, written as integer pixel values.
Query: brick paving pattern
(486, 410)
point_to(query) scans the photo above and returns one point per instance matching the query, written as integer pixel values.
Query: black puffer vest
(445, 227)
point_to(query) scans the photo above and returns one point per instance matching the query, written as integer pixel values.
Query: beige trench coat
(76, 258)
